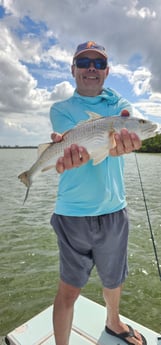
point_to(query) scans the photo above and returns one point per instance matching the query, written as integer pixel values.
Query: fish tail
(25, 178)
(26, 195)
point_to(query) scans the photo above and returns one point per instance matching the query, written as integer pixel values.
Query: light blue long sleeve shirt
(90, 190)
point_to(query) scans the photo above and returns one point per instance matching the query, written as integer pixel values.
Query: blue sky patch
(2, 12)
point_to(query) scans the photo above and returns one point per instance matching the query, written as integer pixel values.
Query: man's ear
(107, 71)
(73, 70)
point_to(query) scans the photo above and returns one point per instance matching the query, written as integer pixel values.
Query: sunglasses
(86, 62)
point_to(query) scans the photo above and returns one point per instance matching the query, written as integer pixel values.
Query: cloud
(31, 126)
(139, 79)
(62, 91)
(60, 54)
(32, 130)
(18, 89)
(24, 107)
(143, 12)
(37, 41)
(138, 23)
(151, 106)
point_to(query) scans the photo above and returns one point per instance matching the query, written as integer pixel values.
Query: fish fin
(99, 156)
(112, 141)
(93, 116)
(26, 195)
(48, 168)
(43, 147)
(24, 177)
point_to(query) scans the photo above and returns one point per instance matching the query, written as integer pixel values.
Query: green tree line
(151, 145)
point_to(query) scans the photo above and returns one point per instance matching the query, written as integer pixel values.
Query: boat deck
(87, 329)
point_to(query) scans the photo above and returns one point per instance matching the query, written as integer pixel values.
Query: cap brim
(90, 50)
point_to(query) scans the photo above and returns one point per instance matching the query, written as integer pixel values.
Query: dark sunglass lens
(100, 64)
(85, 63)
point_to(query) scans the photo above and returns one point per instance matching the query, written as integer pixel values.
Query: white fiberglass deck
(87, 329)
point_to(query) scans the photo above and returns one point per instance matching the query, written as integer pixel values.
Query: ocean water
(29, 261)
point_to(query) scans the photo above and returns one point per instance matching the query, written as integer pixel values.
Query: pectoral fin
(48, 168)
(99, 156)
(112, 141)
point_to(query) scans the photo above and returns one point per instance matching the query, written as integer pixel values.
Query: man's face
(90, 80)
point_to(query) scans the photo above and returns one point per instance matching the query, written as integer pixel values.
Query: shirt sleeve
(61, 120)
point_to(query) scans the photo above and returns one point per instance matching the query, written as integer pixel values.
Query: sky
(37, 41)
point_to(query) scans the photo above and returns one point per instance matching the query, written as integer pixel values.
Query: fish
(96, 134)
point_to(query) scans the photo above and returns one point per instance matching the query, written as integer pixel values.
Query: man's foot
(128, 335)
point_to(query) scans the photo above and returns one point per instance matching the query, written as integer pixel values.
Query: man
(90, 217)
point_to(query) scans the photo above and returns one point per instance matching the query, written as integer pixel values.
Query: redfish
(95, 134)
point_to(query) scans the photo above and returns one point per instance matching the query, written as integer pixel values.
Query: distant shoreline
(18, 147)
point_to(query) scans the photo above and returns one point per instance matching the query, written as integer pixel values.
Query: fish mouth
(150, 132)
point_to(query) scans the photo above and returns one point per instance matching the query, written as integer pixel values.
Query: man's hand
(74, 156)
(125, 143)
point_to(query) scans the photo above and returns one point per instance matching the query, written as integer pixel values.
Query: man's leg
(63, 312)
(112, 300)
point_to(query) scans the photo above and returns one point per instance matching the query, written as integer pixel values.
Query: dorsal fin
(42, 148)
(93, 116)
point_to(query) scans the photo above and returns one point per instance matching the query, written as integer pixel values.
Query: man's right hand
(74, 156)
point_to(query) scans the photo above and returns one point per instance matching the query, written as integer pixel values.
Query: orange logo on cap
(90, 44)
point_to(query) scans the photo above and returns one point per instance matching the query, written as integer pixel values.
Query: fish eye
(142, 121)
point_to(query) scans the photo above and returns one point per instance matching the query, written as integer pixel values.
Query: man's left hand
(125, 143)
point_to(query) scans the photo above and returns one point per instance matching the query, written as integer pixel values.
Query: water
(29, 254)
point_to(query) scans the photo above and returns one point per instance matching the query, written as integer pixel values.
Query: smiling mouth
(91, 77)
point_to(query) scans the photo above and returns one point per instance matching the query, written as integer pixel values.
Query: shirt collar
(111, 96)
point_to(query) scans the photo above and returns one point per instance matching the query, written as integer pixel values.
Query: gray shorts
(85, 242)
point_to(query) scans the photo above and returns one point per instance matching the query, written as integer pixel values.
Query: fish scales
(95, 134)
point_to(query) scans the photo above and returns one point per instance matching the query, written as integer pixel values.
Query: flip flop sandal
(125, 335)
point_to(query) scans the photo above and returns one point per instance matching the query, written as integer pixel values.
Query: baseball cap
(90, 46)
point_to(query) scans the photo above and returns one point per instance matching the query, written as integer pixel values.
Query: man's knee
(67, 294)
